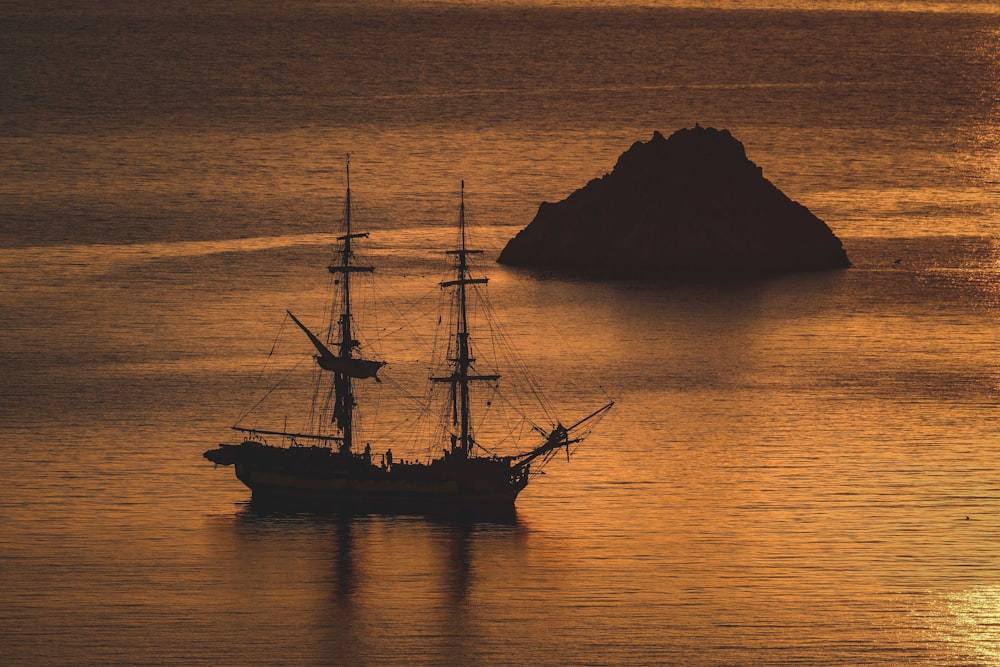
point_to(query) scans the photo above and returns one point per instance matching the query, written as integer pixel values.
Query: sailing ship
(327, 470)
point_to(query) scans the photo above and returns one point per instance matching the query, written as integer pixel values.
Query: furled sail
(349, 366)
(343, 401)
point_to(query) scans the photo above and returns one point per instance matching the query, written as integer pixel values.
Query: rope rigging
(501, 422)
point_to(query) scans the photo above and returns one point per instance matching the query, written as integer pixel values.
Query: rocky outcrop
(693, 202)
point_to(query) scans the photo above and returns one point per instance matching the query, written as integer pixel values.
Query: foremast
(343, 377)
(461, 364)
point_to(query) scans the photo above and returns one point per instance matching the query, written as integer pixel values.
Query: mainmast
(461, 377)
(343, 409)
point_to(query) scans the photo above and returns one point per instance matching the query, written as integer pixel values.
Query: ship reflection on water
(453, 538)
(367, 585)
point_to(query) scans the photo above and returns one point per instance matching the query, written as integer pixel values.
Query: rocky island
(692, 202)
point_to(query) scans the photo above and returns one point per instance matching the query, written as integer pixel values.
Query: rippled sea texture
(799, 470)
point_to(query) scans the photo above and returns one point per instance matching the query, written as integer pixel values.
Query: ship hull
(326, 480)
(305, 489)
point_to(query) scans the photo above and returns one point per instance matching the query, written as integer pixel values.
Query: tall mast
(343, 410)
(463, 360)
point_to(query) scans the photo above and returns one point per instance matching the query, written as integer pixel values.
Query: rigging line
(519, 410)
(527, 378)
(519, 366)
(516, 435)
(401, 322)
(277, 337)
(320, 405)
(525, 372)
(573, 354)
(405, 327)
(495, 386)
(387, 433)
(595, 421)
(316, 407)
(441, 345)
(369, 297)
(389, 436)
(423, 436)
(518, 426)
(267, 361)
(484, 448)
(486, 307)
(321, 413)
(269, 392)
(331, 304)
(419, 402)
(393, 295)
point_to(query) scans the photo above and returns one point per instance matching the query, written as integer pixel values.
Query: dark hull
(319, 479)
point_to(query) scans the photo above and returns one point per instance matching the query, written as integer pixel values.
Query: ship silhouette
(329, 471)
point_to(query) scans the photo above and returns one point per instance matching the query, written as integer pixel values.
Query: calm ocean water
(799, 470)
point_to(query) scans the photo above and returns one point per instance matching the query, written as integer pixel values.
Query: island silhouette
(690, 203)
